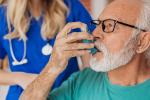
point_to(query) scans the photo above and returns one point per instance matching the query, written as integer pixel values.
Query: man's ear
(143, 42)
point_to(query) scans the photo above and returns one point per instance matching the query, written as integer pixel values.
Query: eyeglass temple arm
(131, 26)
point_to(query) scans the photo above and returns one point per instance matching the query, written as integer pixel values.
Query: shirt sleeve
(66, 90)
(2, 31)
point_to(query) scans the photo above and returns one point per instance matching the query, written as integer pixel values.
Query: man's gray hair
(143, 22)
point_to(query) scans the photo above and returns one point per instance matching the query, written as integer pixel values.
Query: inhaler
(93, 50)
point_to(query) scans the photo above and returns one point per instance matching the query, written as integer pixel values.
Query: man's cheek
(114, 46)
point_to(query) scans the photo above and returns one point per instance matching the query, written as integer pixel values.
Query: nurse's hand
(25, 79)
(68, 45)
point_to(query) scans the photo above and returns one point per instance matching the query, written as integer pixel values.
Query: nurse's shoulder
(2, 8)
(78, 13)
(75, 6)
(3, 20)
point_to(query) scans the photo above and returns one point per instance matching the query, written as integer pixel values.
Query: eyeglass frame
(115, 22)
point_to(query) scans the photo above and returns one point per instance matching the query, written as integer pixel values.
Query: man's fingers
(78, 36)
(78, 46)
(73, 37)
(71, 26)
(77, 53)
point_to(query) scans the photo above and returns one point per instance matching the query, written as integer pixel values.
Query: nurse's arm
(7, 78)
(15, 78)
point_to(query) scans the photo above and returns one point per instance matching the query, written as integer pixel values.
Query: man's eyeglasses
(109, 25)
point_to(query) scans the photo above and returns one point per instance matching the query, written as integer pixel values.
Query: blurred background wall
(95, 7)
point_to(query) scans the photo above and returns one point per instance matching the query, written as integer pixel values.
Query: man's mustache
(99, 46)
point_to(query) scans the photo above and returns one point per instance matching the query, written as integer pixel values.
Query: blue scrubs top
(36, 60)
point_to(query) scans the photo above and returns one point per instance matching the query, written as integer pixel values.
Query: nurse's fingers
(71, 26)
(73, 37)
(78, 46)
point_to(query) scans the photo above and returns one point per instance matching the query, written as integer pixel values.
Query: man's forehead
(122, 10)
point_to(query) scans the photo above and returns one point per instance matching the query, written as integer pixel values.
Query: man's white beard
(112, 61)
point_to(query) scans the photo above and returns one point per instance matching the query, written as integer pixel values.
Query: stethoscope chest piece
(47, 49)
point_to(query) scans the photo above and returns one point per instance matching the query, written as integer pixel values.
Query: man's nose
(97, 33)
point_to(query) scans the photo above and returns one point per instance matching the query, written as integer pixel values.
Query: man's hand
(66, 46)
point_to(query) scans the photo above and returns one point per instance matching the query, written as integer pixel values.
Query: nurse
(27, 35)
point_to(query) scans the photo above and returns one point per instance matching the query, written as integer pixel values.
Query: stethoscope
(46, 50)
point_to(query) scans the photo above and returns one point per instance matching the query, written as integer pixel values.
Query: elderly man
(120, 70)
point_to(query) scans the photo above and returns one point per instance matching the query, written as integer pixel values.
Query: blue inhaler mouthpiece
(93, 50)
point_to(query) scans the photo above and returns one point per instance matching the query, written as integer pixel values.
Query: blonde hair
(17, 16)
(2, 1)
